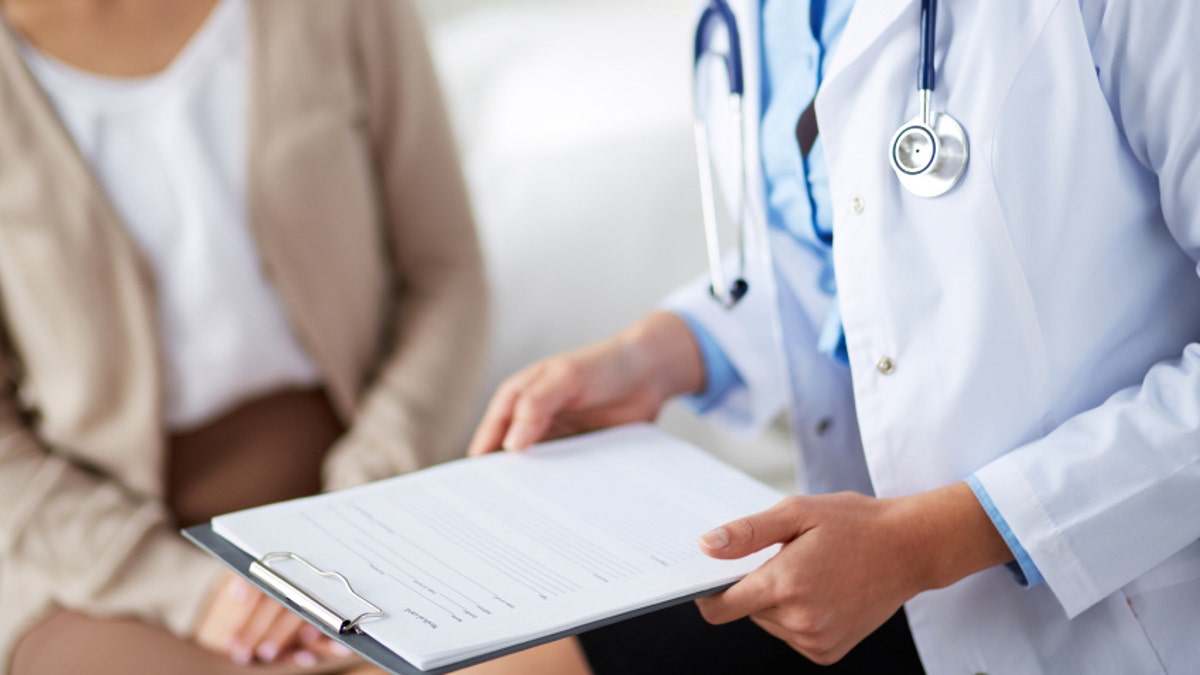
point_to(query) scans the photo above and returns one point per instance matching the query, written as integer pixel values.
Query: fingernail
(241, 655)
(267, 652)
(340, 649)
(305, 659)
(309, 633)
(714, 539)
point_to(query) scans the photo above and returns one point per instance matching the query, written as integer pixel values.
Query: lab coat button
(857, 204)
(885, 366)
(823, 425)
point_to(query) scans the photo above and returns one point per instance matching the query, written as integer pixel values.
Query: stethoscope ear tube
(718, 13)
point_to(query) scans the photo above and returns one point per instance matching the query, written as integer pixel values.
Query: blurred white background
(574, 121)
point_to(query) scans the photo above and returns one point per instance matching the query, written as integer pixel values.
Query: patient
(237, 266)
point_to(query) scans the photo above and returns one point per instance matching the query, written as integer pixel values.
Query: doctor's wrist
(662, 349)
(951, 536)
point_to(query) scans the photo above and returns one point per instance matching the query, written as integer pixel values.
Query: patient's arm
(415, 411)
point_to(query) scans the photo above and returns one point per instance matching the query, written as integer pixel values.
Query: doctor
(1005, 373)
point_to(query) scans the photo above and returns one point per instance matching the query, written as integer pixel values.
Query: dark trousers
(678, 640)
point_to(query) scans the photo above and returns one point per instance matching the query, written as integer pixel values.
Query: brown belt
(267, 450)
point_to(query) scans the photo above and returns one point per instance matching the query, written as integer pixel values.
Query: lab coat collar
(869, 20)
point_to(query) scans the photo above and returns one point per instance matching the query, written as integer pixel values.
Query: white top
(169, 150)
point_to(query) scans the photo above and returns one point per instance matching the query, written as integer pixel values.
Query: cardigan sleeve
(415, 411)
(85, 541)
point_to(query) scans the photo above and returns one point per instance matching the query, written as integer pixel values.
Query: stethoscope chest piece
(929, 153)
(929, 159)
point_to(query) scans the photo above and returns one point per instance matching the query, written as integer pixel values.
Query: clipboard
(347, 629)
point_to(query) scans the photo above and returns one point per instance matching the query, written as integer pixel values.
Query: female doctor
(1005, 368)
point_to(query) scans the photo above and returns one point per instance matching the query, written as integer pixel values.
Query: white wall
(574, 120)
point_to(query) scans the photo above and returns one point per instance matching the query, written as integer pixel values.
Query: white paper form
(476, 555)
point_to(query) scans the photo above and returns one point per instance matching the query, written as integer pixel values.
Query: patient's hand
(246, 625)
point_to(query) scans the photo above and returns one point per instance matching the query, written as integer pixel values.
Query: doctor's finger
(796, 642)
(816, 647)
(742, 599)
(558, 384)
(494, 424)
(774, 628)
(736, 539)
(489, 435)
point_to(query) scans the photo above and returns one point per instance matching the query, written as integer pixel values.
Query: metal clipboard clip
(262, 570)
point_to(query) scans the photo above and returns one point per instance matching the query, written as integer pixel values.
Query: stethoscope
(929, 153)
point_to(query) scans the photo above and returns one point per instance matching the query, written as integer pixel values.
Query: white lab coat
(1042, 317)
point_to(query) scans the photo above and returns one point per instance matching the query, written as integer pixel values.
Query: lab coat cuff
(745, 337)
(1022, 567)
(1043, 539)
(720, 375)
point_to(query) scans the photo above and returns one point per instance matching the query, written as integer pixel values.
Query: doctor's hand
(624, 379)
(848, 562)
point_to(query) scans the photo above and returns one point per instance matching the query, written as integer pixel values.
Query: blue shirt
(794, 59)
(797, 188)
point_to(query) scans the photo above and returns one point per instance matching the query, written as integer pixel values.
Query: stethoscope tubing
(719, 11)
(716, 14)
(926, 178)
(927, 77)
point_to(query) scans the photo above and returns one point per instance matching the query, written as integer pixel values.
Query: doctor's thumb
(747, 535)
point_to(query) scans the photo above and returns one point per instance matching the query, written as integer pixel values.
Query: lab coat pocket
(1164, 602)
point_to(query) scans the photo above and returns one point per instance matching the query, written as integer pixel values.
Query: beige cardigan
(361, 219)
